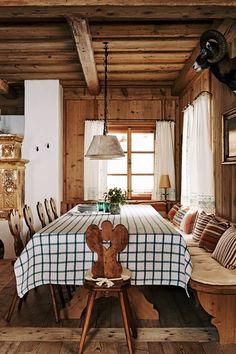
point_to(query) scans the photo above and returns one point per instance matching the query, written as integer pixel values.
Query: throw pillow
(200, 224)
(180, 215)
(211, 234)
(225, 251)
(173, 211)
(187, 223)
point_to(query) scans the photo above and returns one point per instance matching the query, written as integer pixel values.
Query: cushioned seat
(125, 275)
(208, 271)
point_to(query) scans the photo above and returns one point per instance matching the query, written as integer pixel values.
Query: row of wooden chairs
(14, 222)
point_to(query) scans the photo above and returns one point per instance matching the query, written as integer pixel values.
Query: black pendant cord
(105, 88)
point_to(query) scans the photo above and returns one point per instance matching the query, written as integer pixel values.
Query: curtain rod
(196, 97)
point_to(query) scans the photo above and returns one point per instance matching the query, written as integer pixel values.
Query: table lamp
(164, 183)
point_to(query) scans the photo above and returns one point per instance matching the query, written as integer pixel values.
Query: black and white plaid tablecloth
(57, 254)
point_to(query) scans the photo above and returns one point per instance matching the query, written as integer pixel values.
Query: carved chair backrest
(48, 210)
(15, 229)
(28, 216)
(41, 214)
(54, 208)
(107, 265)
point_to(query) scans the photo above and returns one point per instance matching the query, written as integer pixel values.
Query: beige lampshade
(104, 147)
(164, 181)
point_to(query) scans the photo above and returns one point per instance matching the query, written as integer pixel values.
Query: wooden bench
(215, 288)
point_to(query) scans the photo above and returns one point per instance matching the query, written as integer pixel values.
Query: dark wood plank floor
(33, 329)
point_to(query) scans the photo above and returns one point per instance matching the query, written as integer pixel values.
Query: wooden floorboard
(184, 327)
(110, 334)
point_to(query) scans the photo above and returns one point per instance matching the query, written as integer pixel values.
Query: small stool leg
(125, 321)
(130, 314)
(89, 308)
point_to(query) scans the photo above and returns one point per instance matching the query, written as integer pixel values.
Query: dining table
(156, 253)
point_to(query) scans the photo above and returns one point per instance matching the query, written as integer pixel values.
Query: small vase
(114, 208)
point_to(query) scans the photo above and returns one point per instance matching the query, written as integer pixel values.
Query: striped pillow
(200, 225)
(225, 251)
(187, 223)
(211, 234)
(173, 211)
(180, 215)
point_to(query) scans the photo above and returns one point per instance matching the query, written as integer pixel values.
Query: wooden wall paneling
(223, 99)
(123, 106)
(75, 114)
(233, 187)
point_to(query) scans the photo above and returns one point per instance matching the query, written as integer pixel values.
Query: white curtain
(186, 155)
(197, 157)
(95, 171)
(164, 158)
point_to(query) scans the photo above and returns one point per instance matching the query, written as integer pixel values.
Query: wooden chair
(42, 218)
(114, 279)
(15, 229)
(41, 214)
(28, 216)
(14, 225)
(48, 210)
(54, 208)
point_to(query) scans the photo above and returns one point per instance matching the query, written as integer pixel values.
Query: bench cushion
(208, 271)
(211, 234)
(225, 251)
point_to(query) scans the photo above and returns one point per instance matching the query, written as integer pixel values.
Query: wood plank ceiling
(150, 42)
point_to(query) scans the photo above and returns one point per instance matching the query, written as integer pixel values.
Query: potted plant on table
(116, 197)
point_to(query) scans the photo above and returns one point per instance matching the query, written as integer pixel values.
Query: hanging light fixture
(105, 147)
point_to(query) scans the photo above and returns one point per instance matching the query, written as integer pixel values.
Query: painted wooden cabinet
(12, 174)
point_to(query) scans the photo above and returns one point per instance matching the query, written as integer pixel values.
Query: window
(133, 173)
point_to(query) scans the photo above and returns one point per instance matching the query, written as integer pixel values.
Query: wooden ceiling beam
(139, 30)
(144, 57)
(142, 45)
(116, 10)
(187, 74)
(152, 76)
(43, 76)
(36, 45)
(34, 30)
(148, 67)
(40, 68)
(83, 41)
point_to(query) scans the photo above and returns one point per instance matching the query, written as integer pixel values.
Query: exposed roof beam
(187, 74)
(4, 87)
(84, 47)
(119, 9)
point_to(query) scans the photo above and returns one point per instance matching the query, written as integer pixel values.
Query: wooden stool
(107, 276)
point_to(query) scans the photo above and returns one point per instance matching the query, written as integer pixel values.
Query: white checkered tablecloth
(57, 254)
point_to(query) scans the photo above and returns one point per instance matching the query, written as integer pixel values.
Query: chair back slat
(48, 210)
(107, 264)
(41, 214)
(54, 208)
(2, 249)
(15, 229)
(28, 216)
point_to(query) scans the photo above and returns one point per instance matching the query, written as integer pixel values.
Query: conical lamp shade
(105, 147)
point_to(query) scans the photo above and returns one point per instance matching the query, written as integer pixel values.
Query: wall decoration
(229, 137)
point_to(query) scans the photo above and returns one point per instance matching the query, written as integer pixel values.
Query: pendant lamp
(105, 147)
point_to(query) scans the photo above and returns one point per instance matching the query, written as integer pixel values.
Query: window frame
(129, 129)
